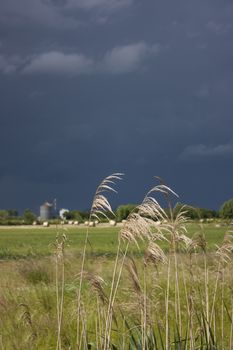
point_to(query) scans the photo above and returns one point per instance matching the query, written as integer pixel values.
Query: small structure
(46, 211)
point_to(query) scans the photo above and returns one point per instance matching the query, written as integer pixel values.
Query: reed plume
(100, 206)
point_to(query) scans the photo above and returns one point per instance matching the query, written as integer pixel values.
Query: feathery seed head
(142, 222)
(133, 273)
(199, 241)
(155, 254)
(224, 252)
(96, 282)
(100, 204)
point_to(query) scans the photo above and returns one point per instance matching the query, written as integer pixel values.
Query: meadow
(35, 242)
(40, 282)
(156, 282)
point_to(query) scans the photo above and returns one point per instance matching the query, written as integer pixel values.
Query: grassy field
(34, 284)
(32, 242)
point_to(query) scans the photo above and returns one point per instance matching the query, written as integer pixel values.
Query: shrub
(195, 213)
(28, 217)
(124, 210)
(226, 210)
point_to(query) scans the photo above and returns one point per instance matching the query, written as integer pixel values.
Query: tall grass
(189, 322)
(178, 298)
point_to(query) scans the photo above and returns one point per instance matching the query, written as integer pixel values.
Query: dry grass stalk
(133, 273)
(100, 205)
(59, 255)
(198, 241)
(224, 252)
(26, 318)
(96, 282)
(141, 292)
(146, 222)
(155, 255)
(113, 292)
(224, 257)
(143, 224)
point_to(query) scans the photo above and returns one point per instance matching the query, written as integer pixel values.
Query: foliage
(76, 215)
(195, 213)
(123, 211)
(12, 213)
(28, 217)
(3, 214)
(9, 213)
(12, 221)
(226, 210)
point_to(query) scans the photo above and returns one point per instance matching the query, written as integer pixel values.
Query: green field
(37, 242)
(32, 287)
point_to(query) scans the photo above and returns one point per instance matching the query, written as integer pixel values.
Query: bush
(124, 210)
(11, 222)
(226, 210)
(195, 213)
(76, 215)
(28, 217)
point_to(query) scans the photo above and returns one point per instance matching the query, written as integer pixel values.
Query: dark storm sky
(91, 87)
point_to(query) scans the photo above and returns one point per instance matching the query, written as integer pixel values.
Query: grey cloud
(9, 64)
(103, 5)
(59, 14)
(59, 63)
(203, 92)
(121, 59)
(127, 58)
(201, 150)
(34, 11)
(218, 28)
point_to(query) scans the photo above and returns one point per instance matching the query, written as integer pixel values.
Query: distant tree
(12, 213)
(226, 210)
(124, 210)
(84, 215)
(3, 214)
(195, 213)
(28, 216)
(76, 215)
(207, 213)
(68, 215)
(189, 211)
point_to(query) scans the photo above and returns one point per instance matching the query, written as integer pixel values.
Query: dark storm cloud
(89, 87)
(54, 13)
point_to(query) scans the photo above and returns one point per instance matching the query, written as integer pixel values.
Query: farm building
(46, 211)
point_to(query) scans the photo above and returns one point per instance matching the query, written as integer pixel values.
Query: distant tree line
(12, 217)
(194, 213)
